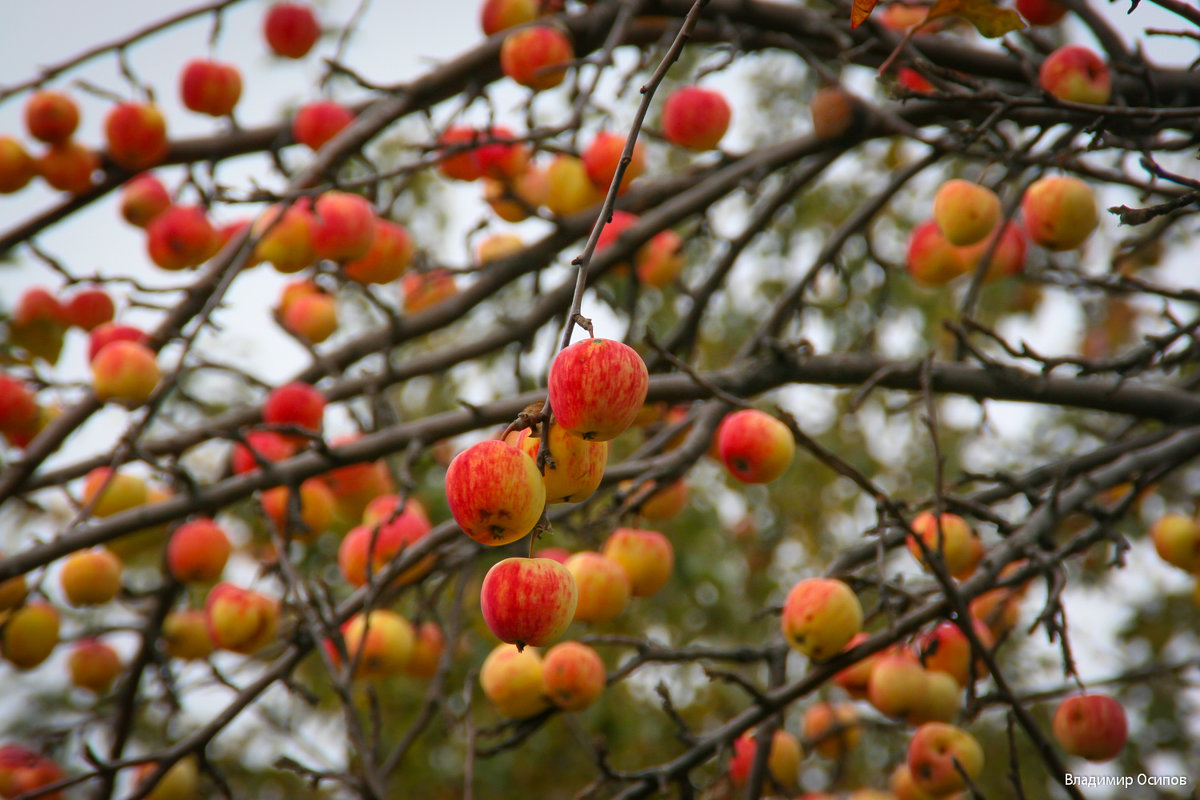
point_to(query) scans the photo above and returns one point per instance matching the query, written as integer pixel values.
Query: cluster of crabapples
(1059, 213)
(498, 494)
(335, 226)
(293, 236)
(920, 684)
(376, 644)
(178, 236)
(123, 367)
(136, 132)
(1176, 539)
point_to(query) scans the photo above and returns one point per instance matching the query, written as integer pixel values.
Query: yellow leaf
(988, 18)
(862, 9)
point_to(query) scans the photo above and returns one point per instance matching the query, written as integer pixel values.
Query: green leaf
(988, 18)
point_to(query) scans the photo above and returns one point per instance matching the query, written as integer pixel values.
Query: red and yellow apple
(89, 308)
(468, 154)
(1060, 212)
(665, 503)
(898, 684)
(68, 166)
(695, 117)
(343, 226)
(125, 372)
(903, 786)
(296, 403)
(90, 577)
(389, 256)
(311, 317)
(783, 760)
(536, 57)
(947, 649)
(515, 199)
(497, 247)
(499, 15)
(820, 615)
(603, 584)
(354, 486)
(112, 332)
(12, 591)
(569, 188)
(495, 492)
(17, 167)
(1008, 257)
(29, 635)
(291, 29)
(210, 87)
(51, 116)
(1176, 539)
(596, 388)
(17, 406)
(603, 156)
(755, 447)
(316, 507)
(931, 259)
(614, 228)
(179, 782)
(197, 551)
(512, 680)
(240, 620)
(318, 122)
(528, 601)
(136, 134)
(260, 446)
(395, 533)
(24, 771)
(38, 324)
(940, 702)
(285, 237)
(576, 466)
(185, 635)
(936, 754)
(659, 261)
(572, 676)
(108, 493)
(646, 556)
(181, 237)
(379, 644)
(93, 665)
(855, 678)
(1092, 726)
(951, 537)
(1075, 73)
(965, 211)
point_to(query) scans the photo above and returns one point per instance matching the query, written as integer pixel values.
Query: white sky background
(397, 40)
